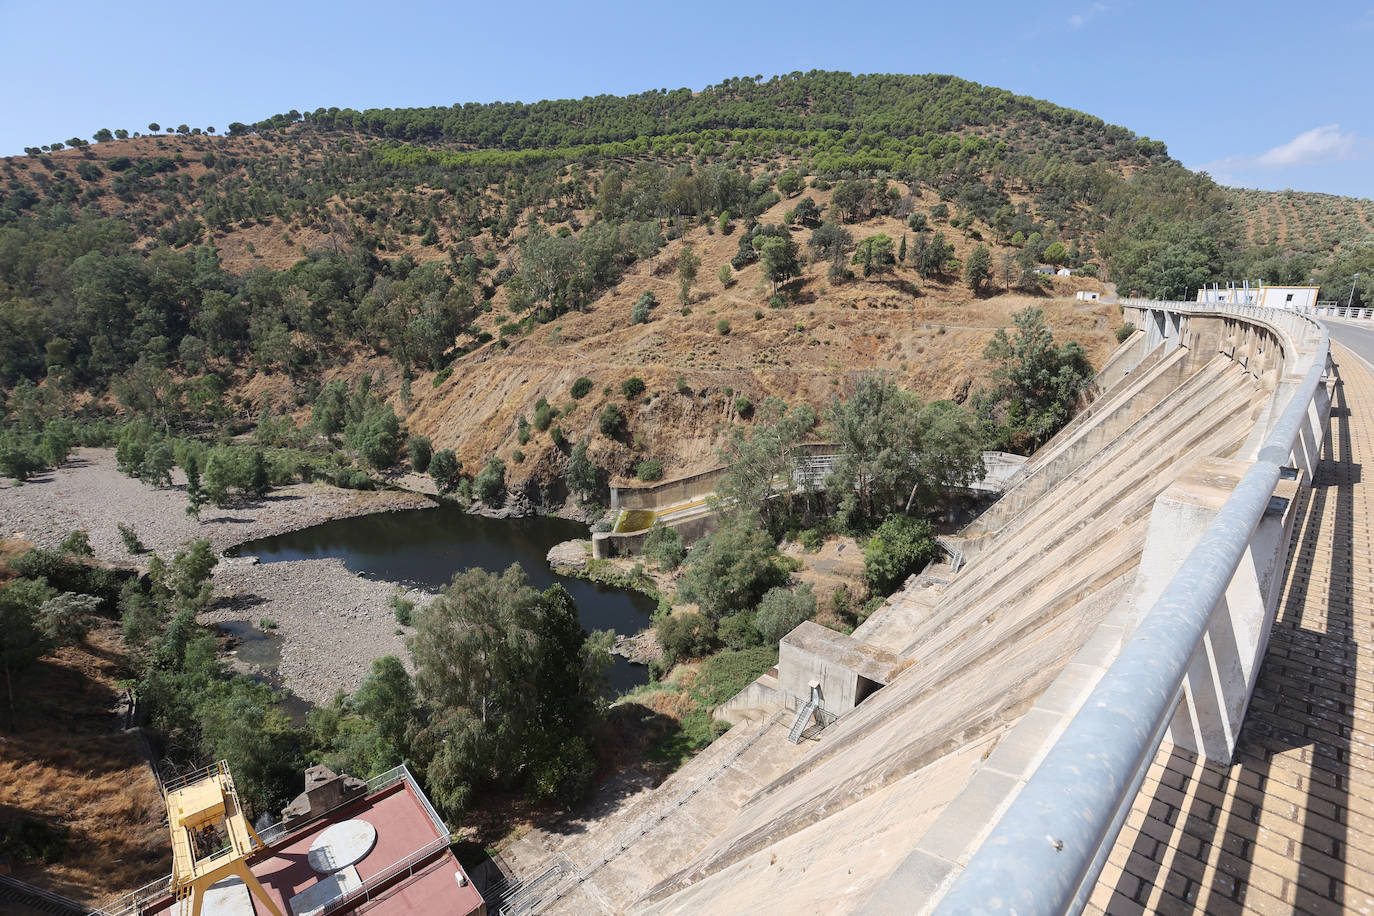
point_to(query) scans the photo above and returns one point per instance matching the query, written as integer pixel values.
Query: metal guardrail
(405, 865)
(1337, 310)
(136, 901)
(1046, 852)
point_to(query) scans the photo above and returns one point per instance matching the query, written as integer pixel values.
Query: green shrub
(731, 570)
(581, 388)
(1125, 331)
(902, 545)
(30, 840)
(650, 469)
(781, 609)
(76, 544)
(444, 469)
(612, 421)
(544, 414)
(663, 545)
(19, 460)
(582, 473)
(403, 609)
(722, 327)
(131, 541)
(632, 387)
(63, 574)
(421, 453)
(376, 436)
(685, 636)
(738, 631)
(490, 482)
(727, 673)
(352, 479)
(639, 313)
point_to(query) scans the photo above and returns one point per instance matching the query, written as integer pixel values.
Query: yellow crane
(211, 839)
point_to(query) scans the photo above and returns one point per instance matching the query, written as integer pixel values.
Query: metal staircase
(804, 715)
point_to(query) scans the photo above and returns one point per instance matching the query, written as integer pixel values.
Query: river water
(425, 547)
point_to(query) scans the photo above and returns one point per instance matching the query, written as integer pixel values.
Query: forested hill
(465, 258)
(875, 106)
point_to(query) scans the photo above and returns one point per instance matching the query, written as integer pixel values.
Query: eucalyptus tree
(896, 453)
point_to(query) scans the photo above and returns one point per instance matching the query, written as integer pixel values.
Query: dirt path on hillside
(332, 623)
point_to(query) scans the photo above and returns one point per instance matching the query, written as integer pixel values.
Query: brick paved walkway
(1289, 827)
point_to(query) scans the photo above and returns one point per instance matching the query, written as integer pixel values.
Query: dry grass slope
(67, 764)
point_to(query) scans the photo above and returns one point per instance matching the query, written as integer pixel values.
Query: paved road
(1358, 337)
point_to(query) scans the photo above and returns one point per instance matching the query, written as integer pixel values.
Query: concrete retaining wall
(760, 697)
(667, 493)
(686, 489)
(623, 544)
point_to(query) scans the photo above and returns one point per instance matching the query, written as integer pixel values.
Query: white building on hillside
(1296, 298)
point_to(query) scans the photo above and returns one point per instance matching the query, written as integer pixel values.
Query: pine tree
(195, 498)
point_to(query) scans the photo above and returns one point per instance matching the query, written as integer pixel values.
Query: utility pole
(1351, 300)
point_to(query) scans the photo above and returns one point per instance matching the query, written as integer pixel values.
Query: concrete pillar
(1154, 328)
(602, 546)
(1173, 331)
(1223, 671)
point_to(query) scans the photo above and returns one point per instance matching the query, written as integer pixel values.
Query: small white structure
(1064, 272)
(1295, 298)
(1088, 295)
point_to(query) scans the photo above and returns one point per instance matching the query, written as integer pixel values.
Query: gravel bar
(332, 622)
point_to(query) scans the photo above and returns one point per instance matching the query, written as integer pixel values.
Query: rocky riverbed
(332, 622)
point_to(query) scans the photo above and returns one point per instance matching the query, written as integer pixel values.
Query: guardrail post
(1223, 670)
(1308, 445)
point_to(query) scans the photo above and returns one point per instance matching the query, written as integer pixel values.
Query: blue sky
(1259, 94)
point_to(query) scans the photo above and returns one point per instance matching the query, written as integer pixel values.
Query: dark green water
(426, 547)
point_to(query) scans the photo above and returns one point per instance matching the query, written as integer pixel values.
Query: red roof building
(393, 858)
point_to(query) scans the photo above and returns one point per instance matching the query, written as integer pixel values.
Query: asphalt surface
(1356, 337)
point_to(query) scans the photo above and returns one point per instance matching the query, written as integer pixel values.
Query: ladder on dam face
(804, 715)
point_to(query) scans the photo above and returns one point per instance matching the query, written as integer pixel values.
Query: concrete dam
(890, 770)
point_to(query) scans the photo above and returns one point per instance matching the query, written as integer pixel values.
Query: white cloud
(1366, 23)
(1320, 144)
(1078, 20)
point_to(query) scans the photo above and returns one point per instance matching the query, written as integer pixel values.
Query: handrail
(1045, 854)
